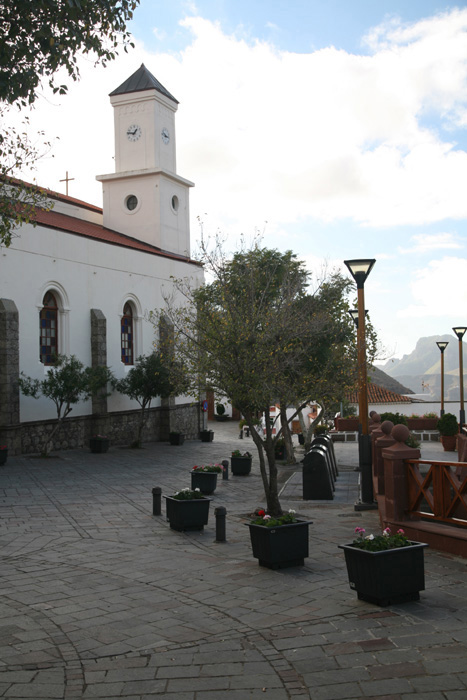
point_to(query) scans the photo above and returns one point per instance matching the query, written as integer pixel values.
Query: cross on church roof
(67, 180)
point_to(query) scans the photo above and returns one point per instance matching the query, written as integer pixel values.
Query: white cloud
(284, 137)
(439, 290)
(424, 243)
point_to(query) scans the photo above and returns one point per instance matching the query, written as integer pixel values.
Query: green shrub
(448, 425)
(396, 418)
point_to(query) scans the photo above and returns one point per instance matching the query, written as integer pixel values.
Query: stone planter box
(422, 423)
(280, 547)
(206, 435)
(99, 444)
(187, 515)
(176, 438)
(241, 466)
(391, 576)
(206, 482)
(343, 424)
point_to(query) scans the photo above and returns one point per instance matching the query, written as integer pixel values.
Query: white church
(84, 279)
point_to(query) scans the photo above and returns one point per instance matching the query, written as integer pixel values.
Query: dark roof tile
(142, 79)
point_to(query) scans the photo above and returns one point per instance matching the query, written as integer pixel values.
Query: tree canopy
(256, 334)
(39, 41)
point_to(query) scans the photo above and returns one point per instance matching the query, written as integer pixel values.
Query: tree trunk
(269, 472)
(287, 435)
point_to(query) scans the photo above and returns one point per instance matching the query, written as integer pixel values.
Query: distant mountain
(380, 378)
(421, 369)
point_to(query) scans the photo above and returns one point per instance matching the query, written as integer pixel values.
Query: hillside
(421, 369)
(377, 376)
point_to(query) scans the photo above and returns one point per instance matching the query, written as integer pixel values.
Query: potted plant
(187, 509)
(3, 455)
(321, 429)
(99, 444)
(220, 412)
(206, 435)
(240, 463)
(176, 437)
(448, 429)
(385, 569)
(204, 477)
(279, 542)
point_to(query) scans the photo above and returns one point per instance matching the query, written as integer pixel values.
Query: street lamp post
(360, 269)
(442, 346)
(459, 331)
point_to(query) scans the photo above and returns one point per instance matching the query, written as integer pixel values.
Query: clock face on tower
(133, 132)
(165, 135)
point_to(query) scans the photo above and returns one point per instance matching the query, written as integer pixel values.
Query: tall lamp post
(459, 331)
(442, 344)
(360, 269)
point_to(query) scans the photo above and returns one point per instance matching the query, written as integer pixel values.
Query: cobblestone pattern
(100, 599)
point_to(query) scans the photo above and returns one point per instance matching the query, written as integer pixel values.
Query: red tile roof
(71, 224)
(377, 394)
(78, 227)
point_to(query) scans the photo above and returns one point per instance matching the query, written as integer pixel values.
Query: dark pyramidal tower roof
(142, 80)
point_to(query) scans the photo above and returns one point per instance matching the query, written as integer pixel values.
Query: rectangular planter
(280, 547)
(391, 576)
(176, 438)
(187, 515)
(422, 423)
(343, 424)
(99, 445)
(207, 435)
(241, 466)
(206, 482)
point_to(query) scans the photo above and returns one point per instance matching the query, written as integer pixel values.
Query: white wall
(407, 409)
(86, 274)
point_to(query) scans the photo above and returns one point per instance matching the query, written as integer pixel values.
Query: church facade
(83, 281)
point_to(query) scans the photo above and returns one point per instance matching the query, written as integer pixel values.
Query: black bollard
(225, 473)
(156, 500)
(220, 513)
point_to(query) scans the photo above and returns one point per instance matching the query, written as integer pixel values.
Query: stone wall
(120, 427)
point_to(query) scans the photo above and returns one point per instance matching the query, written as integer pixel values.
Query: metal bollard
(225, 473)
(156, 500)
(220, 514)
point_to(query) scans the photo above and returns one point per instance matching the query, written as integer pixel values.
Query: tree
(68, 381)
(247, 333)
(37, 39)
(151, 376)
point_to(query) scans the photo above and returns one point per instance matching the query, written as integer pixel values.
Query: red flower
(261, 512)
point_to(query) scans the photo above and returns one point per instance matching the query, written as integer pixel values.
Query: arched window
(127, 335)
(48, 328)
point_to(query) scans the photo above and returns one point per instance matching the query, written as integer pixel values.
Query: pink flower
(401, 532)
(359, 530)
(267, 517)
(387, 531)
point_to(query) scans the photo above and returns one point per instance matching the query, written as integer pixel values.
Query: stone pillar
(10, 433)
(395, 476)
(375, 422)
(99, 356)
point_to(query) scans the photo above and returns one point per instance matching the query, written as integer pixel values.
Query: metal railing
(438, 491)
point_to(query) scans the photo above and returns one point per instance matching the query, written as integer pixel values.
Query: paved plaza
(101, 599)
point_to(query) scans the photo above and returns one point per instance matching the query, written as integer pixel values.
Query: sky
(333, 128)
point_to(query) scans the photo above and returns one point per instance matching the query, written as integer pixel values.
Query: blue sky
(336, 128)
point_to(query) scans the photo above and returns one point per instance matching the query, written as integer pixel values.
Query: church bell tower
(145, 198)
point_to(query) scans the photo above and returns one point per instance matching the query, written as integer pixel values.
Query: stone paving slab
(101, 599)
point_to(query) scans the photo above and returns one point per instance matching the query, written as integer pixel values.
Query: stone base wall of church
(120, 427)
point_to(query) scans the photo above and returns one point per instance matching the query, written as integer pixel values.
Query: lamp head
(459, 331)
(442, 344)
(360, 269)
(354, 314)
